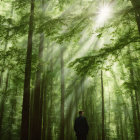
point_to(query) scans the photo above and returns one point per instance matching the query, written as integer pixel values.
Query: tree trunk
(82, 92)
(135, 94)
(137, 107)
(121, 128)
(2, 105)
(26, 95)
(126, 124)
(45, 87)
(37, 107)
(134, 101)
(102, 89)
(3, 65)
(62, 97)
(13, 102)
(117, 126)
(50, 122)
(136, 136)
(109, 117)
(136, 132)
(136, 6)
(76, 99)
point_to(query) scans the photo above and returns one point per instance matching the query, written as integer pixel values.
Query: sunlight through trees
(61, 56)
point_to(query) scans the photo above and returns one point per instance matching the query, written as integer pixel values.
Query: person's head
(81, 113)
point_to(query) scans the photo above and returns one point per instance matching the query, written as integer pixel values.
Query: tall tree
(62, 121)
(36, 125)
(103, 114)
(13, 101)
(3, 100)
(50, 112)
(37, 107)
(44, 107)
(26, 94)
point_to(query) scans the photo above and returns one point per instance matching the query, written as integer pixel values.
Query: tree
(102, 90)
(62, 121)
(26, 95)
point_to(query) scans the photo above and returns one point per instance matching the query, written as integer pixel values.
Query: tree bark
(137, 107)
(102, 90)
(135, 94)
(13, 102)
(121, 128)
(136, 136)
(62, 96)
(26, 94)
(36, 125)
(126, 124)
(45, 87)
(2, 105)
(83, 93)
(37, 107)
(135, 119)
(109, 117)
(50, 122)
(3, 65)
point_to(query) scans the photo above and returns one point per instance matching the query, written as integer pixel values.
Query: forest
(61, 56)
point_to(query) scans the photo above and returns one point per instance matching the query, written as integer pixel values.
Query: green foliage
(112, 47)
(88, 64)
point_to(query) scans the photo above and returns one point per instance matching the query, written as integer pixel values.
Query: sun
(104, 13)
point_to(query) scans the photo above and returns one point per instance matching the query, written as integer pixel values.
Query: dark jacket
(81, 126)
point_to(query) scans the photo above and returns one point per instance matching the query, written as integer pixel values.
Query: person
(81, 126)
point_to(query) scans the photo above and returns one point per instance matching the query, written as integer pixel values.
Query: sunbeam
(104, 13)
